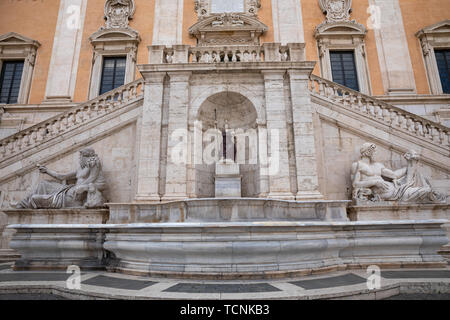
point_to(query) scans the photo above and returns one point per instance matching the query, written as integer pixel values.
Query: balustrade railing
(57, 125)
(381, 111)
(268, 52)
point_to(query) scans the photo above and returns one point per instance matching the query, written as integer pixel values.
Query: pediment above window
(108, 35)
(12, 38)
(341, 28)
(228, 28)
(441, 28)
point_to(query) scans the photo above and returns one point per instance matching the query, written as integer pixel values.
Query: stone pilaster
(66, 51)
(168, 25)
(178, 155)
(287, 21)
(305, 150)
(279, 181)
(150, 139)
(392, 46)
(263, 160)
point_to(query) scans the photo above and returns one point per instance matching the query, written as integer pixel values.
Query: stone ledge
(57, 216)
(228, 209)
(385, 211)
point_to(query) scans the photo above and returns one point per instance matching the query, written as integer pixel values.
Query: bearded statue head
(88, 158)
(368, 150)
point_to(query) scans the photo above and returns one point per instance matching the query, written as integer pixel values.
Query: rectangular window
(113, 73)
(443, 63)
(10, 79)
(343, 69)
(220, 6)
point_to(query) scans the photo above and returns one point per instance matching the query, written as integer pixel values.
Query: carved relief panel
(336, 10)
(205, 8)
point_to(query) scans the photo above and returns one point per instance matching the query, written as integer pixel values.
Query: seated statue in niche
(228, 144)
(372, 181)
(86, 192)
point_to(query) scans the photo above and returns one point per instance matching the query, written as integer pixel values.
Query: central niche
(232, 114)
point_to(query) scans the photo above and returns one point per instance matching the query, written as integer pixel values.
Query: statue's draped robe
(50, 194)
(413, 187)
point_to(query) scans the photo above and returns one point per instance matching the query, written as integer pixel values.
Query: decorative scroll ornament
(252, 6)
(202, 8)
(336, 10)
(118, 13)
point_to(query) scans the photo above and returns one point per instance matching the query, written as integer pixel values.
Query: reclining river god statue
(86, 192)
(372, 181)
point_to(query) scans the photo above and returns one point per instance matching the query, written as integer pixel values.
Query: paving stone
(117, 283)
(9, 277)
(344, 280)
(30, 296)
(222, 288)
(416, 274)
(420, 296)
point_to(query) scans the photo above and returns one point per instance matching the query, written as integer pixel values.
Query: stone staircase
(381, 122)
(79, 115)
(380, 111)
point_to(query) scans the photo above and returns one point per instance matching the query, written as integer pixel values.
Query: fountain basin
(227, 250)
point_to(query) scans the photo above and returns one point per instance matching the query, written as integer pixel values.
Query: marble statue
(372, 181)
(86, 192)
(228, 143)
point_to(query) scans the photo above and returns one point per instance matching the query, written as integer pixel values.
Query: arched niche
(232, 110)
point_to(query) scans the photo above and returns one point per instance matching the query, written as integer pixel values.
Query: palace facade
(156, 86)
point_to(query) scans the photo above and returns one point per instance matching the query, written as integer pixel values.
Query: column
(304, 141)
(150, 138)
(178, 149)
(262, 159)
(287, 21)
(168, 24)
(392, 46)
(279, 181)
(66, 51)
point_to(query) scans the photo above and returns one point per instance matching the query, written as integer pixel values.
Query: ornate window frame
(114, 39)
(14, 46)
(436, 36)
(345, 36)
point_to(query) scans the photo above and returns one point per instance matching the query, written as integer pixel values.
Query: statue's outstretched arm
(58, 176)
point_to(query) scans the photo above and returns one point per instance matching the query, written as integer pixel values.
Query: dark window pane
(10, 78)
(343, 69)
(443, 63)
(113, 74)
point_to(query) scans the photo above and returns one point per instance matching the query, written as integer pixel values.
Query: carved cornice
(118, 34)
(15, 39)
(340, 28)
(439, 29)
